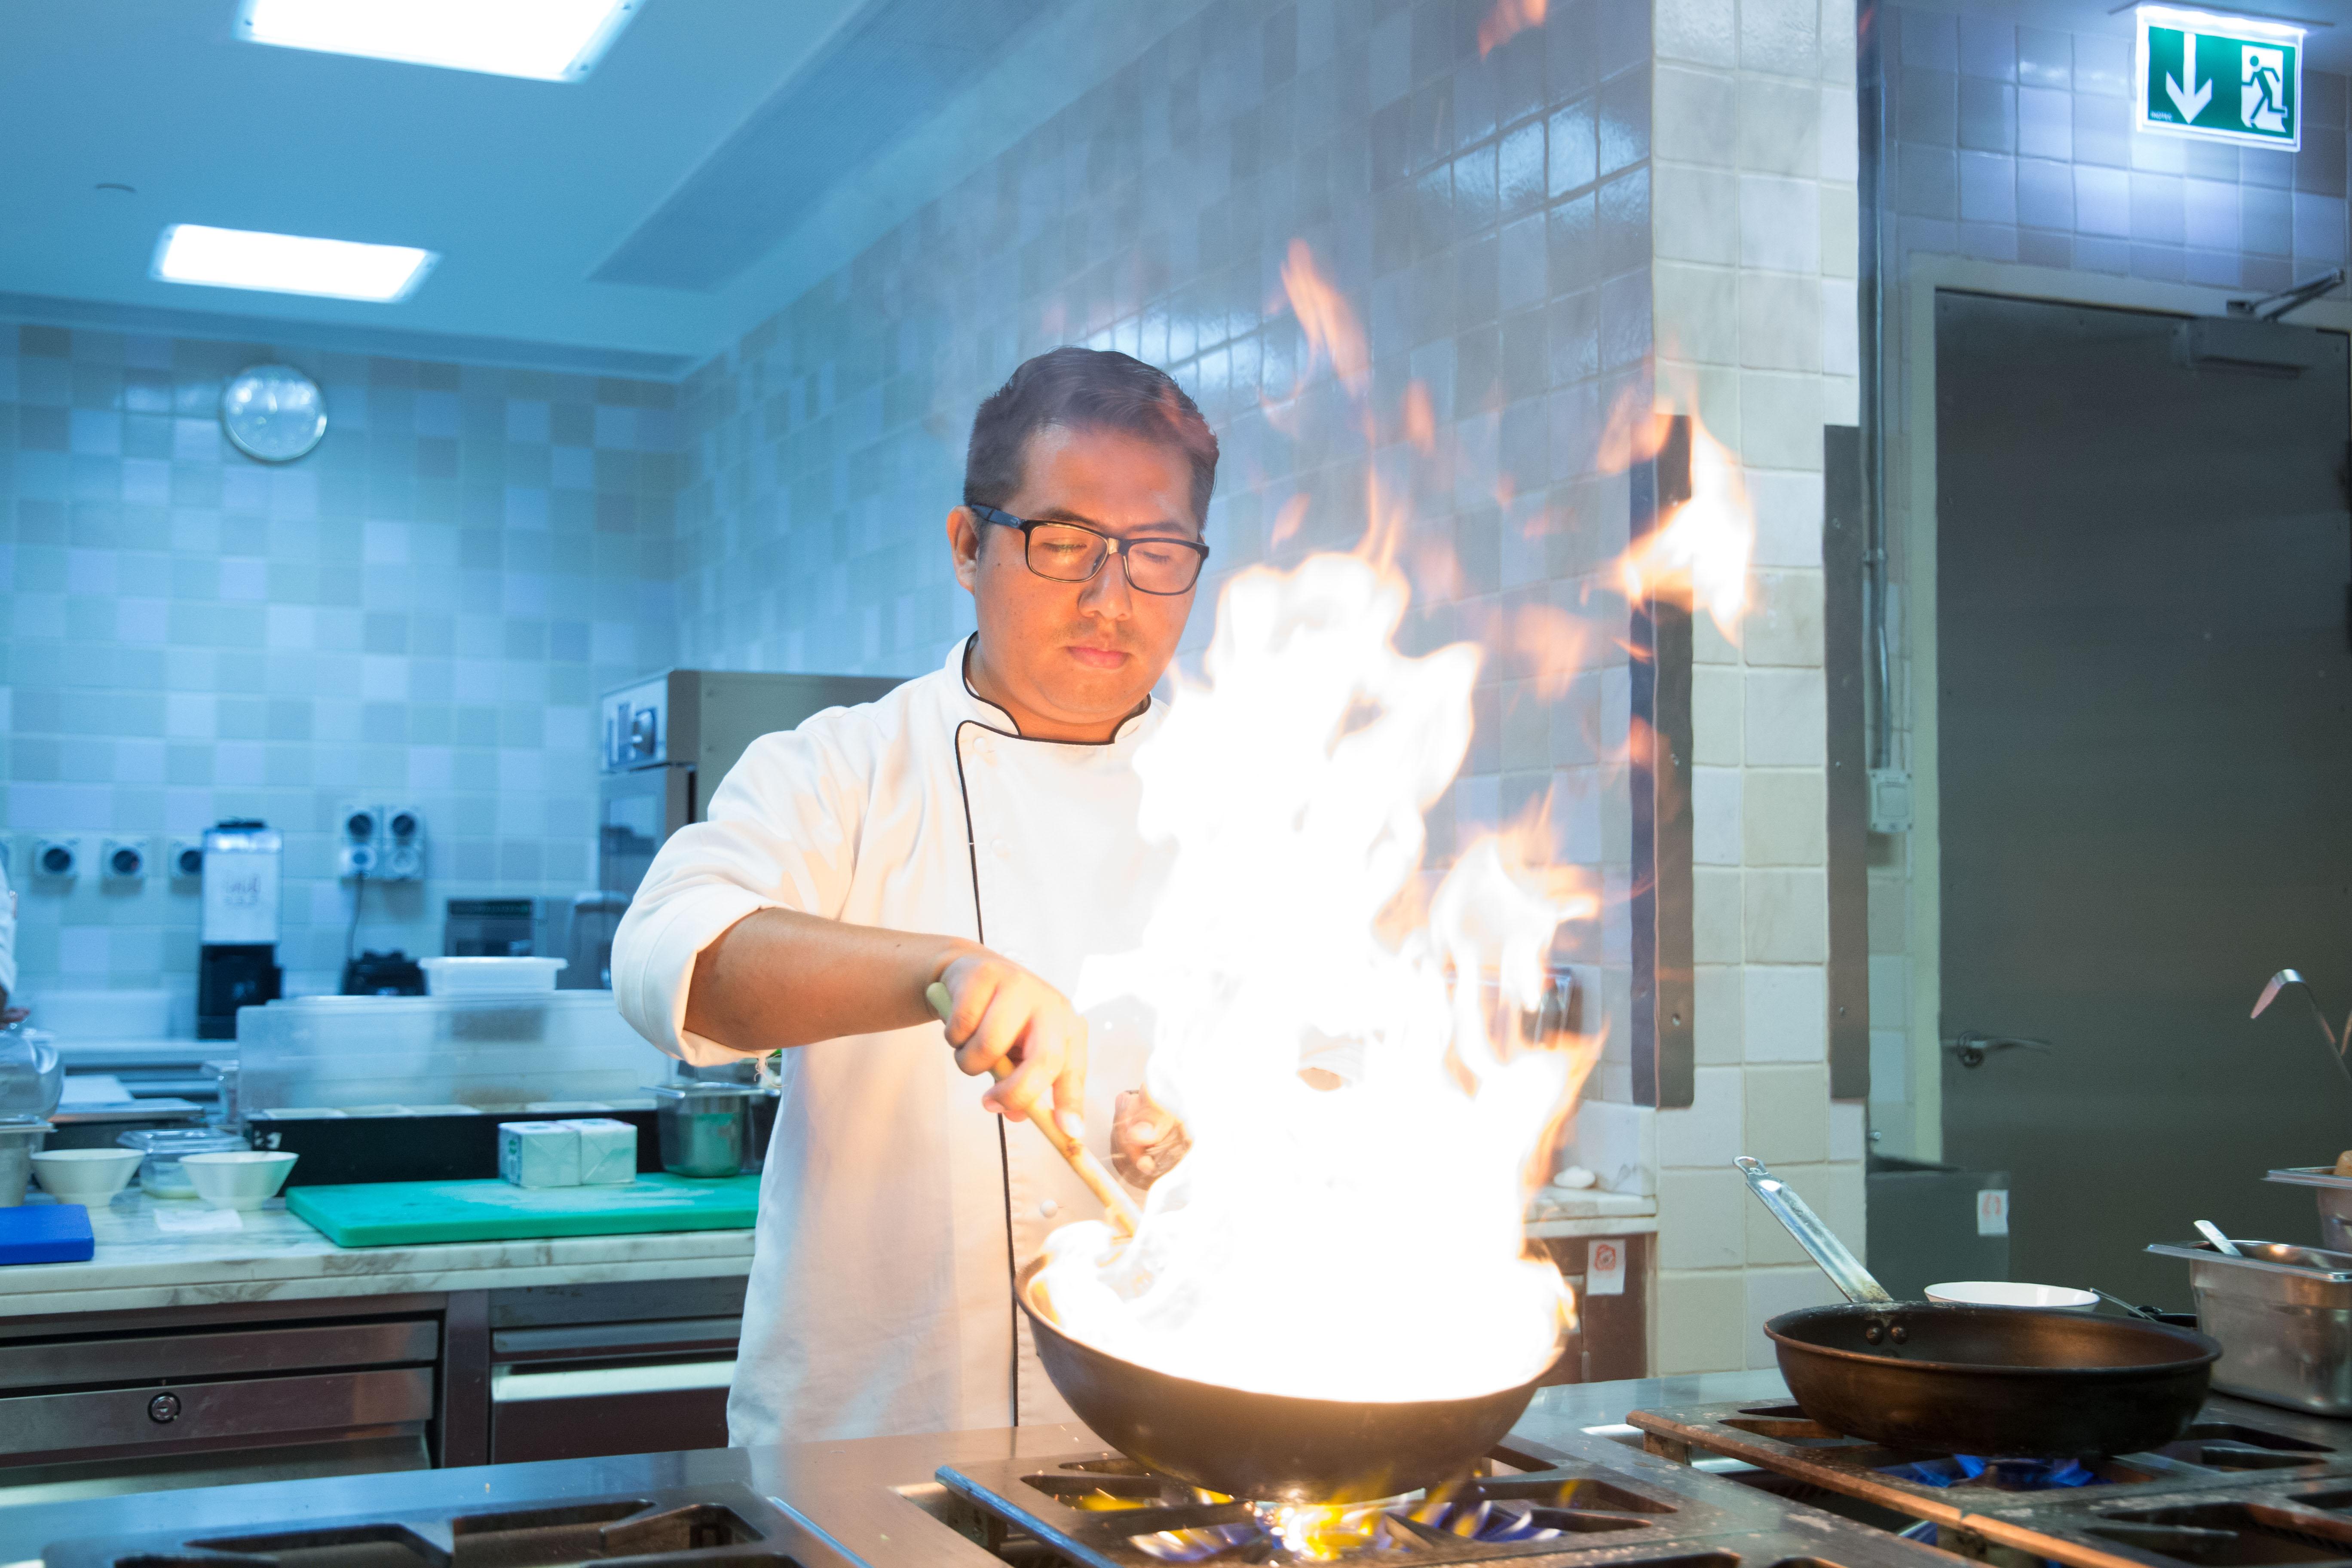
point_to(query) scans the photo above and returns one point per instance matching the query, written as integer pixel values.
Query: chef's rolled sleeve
(781, 835)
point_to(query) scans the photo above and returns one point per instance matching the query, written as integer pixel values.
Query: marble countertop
(273, 1256)
(1589, 1211)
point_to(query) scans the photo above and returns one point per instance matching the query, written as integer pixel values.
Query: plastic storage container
(31, 1074)
(160, 1175)
(488, 976)
(492, 1053)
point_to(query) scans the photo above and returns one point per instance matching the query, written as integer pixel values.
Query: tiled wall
(2011, 144)
(421, 612)
(1488, 216)
(1755, 324)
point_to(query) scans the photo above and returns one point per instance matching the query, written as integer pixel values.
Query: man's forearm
(779, 977)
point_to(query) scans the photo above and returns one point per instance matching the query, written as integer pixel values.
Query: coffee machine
(236, 965)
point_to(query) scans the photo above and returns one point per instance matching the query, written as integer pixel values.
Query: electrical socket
(122, 859)
(359, 834)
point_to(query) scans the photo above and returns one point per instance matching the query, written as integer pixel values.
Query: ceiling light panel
(546, 40)
(288, 263)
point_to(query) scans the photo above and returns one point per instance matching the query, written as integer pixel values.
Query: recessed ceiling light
(547, 40)
(288, 263)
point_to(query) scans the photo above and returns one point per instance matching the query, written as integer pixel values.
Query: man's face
(1070, 660)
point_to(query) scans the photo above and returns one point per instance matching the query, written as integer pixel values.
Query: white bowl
(85, 1176)
(488, 976)
(2010, 1293)
(239, 1179)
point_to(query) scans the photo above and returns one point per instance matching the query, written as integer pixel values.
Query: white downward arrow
(2192, 98)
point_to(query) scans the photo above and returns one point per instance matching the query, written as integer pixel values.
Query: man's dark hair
(1084, 389)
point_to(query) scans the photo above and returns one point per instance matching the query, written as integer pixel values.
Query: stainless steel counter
(858, 1502)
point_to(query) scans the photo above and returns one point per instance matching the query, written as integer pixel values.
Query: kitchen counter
(836, 1487)
(277, 1256)
(1588, 1211)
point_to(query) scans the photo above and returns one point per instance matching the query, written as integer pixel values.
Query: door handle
(1972, 1047)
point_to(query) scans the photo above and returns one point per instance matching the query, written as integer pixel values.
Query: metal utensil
(2336, 1042)
(1117, 1207)
(2283, 1317)
(1845, 1269)
(1998, 1381)
(2221, 1243)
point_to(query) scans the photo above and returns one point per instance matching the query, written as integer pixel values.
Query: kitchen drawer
(256, 1408)
(232, 1353)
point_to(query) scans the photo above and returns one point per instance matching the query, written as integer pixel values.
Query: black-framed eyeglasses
(1073, 553)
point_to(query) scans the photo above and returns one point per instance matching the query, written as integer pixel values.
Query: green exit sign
(2229, 78)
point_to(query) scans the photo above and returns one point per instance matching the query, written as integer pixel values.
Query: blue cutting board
(46, 1233)
(409, 1214)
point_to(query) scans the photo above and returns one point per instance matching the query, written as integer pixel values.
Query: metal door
(2146, 774)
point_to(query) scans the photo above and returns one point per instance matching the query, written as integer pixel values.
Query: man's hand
(1003, 1012)
(1145, 1140)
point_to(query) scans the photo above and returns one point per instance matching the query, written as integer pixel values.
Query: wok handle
(1845, 1269)
(1116, 1208)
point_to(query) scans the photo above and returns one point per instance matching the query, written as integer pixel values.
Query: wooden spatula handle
(1081, 1159)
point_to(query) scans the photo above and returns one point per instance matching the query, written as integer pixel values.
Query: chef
(975, 828)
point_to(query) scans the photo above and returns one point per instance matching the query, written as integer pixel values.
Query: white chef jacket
(893, 1209)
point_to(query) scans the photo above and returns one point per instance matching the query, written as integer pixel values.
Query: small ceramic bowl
(2010, 1293)
(239, 1179)
(85, 1176)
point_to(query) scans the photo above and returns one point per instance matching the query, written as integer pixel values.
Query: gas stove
(1578, 1484)
(2245, 1484)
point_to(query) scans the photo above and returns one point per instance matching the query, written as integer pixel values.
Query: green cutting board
(407, 1214)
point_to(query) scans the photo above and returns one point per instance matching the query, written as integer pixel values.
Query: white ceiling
(709, 123)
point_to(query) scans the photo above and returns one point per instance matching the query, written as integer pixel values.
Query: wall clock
(273, 412)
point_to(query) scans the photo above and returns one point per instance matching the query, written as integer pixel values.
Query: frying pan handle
(1845, 1269)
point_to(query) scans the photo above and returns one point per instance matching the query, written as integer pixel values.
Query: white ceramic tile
(1786, 1119)
(1781, 420)
(1840, 232)
(1841, 328)
(1704, 31)
(1618, 1143)
(1788, 508)
(1696, 311)
(1717, 694)
(1841, 136)
(1716, 916)
(1701, 1318)
(1700, 1220)
(1715, 816)
(1716, 1025)
(1785, 916)
(1784, 818)
(1782, 36)
(1849, 1129)
(1780, 224)
(1709, 1132)
(1784, 717)
(1786, 1012)
(1783, 623)
(1779, 126)
(1694, 214)
(1779, 322)
(1694, 116)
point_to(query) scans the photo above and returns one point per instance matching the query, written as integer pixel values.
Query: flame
(1506, 21)
(1344, 1032)
(1292, 781)
(1332, 335)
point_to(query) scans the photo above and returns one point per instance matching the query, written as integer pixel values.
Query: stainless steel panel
(1843, 664)
(216, 1355)
(465, 1424)
(1659, 634)
(2283, 1315)
(259, 1408)
(613, 1339)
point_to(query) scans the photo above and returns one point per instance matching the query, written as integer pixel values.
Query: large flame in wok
(1346, 1044)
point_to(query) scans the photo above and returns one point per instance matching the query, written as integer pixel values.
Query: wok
(1269, 1448)
(1997, 1383)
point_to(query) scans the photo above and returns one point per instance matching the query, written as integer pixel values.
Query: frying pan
(1269, 1448)
(1999, 1383)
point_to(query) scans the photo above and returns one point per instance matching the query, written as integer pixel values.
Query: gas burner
(2244, 1485)
(1101, 1511)
(711, 1528)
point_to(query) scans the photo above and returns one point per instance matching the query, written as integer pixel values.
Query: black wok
(1995, 1382)
(1999, 1383)
(1269, 1448)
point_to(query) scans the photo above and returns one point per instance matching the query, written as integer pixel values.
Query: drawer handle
(510, 1386)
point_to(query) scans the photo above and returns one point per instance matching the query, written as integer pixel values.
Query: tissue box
(539, 1153)
(608, 1150)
